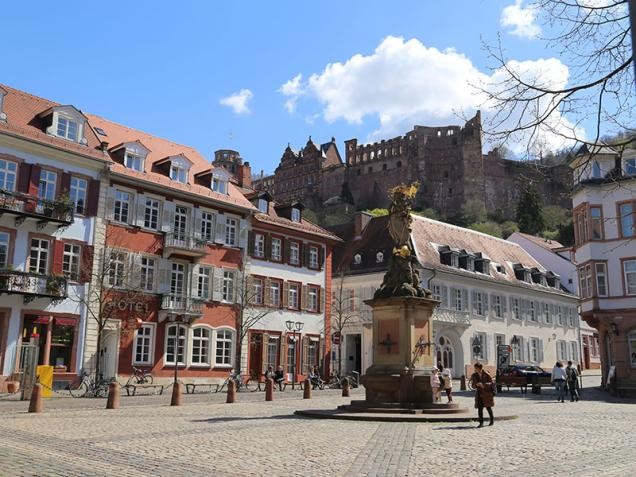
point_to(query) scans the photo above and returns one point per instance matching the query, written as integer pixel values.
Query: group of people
(441, 380)
(566, 379)
(278, 377)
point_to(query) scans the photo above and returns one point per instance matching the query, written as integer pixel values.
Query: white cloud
(292, 89)
(238, 102)
(520, 21)
(403, 83)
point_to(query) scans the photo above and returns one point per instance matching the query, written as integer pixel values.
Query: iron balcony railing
(33, 284)
(24, 205)
(182, 304)
(458, 317)
(185, 242)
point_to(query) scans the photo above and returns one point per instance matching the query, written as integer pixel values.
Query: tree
(428, 213)
(530, 212)
(489, 227)
(343, 313)
(473, 211)
(377, 212)
(592, 38)
(554, 216)
(508, 228)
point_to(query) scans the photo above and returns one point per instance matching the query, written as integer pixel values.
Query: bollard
(345, 388)
(462, 383)
(113, 395)
(269, 389)
(176, 394)
(35, 405)
(231, 392)
(307, 390)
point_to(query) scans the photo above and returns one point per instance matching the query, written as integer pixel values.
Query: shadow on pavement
(280, 417)
(455, 428)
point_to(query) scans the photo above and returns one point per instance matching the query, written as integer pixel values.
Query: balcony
(24, 206)
(33, 285)
(184, 245)
(181, 308)
(454, 317)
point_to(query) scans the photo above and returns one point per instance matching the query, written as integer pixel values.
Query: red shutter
(24, 175)
(86, 263)
(321, 257)
(58, 256)
(251, 237)
(34, 180)
(92, 197)
(65, 183)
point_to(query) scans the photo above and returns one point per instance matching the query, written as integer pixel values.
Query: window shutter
(193, 276)
(250, 243)
(163, 287)
(268, 246)
(474, 301)
(304, 254)
(452, 298)
(352, 300)
(133, 280)
(141, 210)
(217, 287)
(198, 221)
(58, 257)
(65, 183)
(267, 292)
(540, 350)
(285, 297)
(321, 300)
(24, 176)
(285, 250)
(92, 198)
(242, 233)
(303, 363)
(321, 257)
(444, 289)
(504, 308)
(464, 299)
(237, 288)
(86, 263)
(219, 232)
(34, 180)
(537, 311)
(167, 217)
(522, 349)
(283, 352)
(304, 298)
(110, 203)
(485, 301)
(488, 340)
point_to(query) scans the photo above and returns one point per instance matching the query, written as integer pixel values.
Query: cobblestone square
(206, 436)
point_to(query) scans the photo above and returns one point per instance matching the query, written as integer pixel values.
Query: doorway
(353, 353)
(586, 352)
(256, 355)
(108, 353)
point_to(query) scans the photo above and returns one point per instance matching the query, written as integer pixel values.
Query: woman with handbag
(484, 393)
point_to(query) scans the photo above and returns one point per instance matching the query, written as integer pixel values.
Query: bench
(191, 387)
(134, 388)
(622, 388)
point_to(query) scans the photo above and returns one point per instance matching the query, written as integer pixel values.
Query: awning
(42, 320)
(65, 321)
(313, 338)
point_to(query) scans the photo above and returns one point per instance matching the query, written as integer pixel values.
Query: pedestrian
(279, 377)
(440, 366)
(558, 380)
(447, 384)
(484, 393)
(435, 384)
(573, 381)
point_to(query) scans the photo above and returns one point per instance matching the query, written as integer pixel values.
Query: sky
(254, 76)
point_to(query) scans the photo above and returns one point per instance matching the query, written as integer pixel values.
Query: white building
(491, 292)
(554, 256)
(604, 209)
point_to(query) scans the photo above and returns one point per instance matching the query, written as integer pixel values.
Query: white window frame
(147, 272)
(202, 345)
(152, 205)
(313, 257)
(204, 279)
(630, 289)
(71, 261)
(263, 205)
(178, 173)
(257, 290)
(312, 297)
(294, 253)
(295, 214)
(515, 309)
(532, 312)
(65, 126)
(229, 285)
(5, 246)
(293, 296)
(498, 306)
(276, 252)
(478, 306)
(574, 351)
(207, 225)
(151, 345)
(534, 345)
(231, 231)
(77, 193)
(134, 161)
(39, 252)
(458, 304)
(600, 271)
(117, 264)
(177, 337)
(259, 245)
(275, 298)
(547, 316)
(47, 184)
(219, 185)
(230, 353)
(8, 174)
(122, 197)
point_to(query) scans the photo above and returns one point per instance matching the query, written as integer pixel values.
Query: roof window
(295, 214)
(263, 205)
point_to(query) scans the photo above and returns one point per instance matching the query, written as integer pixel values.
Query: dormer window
(596, 170)
(219, 185)
(134, 161)
(295, 214)
(178, 173)
(630, 166)
(263, 205)
(65, 122)
(3, 115)
(67, 128)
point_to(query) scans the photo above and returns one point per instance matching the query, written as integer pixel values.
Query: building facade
(605, 254)
(51, 164)
(491, 293)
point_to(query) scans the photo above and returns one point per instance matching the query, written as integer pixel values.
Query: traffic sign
(335, 338)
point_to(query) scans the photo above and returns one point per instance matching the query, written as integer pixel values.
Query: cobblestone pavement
(205, 436)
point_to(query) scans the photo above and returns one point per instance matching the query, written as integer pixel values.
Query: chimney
(104, 145)
(245, 175)
(360, 222)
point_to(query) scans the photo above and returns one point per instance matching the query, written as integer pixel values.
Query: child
(435, 384)
(447, 384)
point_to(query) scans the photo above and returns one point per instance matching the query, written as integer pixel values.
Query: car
(522, 375)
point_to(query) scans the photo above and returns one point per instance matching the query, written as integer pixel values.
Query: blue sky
(166, 67)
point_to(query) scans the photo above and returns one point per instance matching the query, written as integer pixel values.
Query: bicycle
(86, 386)
(335, 381)
(240, 386)
(139, 376)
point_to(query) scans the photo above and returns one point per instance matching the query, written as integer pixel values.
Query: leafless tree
(343, 313)
(592, 37)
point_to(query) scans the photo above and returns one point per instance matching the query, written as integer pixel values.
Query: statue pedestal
(402, 352)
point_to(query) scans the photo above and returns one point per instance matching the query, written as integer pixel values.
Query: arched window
(175, 345)
(200, 355)
(631, 342)
(445, 352)
(224, 342)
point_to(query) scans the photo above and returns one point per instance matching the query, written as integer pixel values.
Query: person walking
(573, 381)
(484, 393)
(447, 384)
(558, 380)
(435, 384)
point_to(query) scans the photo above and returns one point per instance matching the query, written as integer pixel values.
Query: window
(631, 342)
(134, 161)
(627, 219)
(479, 346)
(116, 269)
(532, 311)
(291, 354)
(223, 348)
(516, 345)
(514, 306)
(274, 289)
(207, 225)
(77, 193)
(497, 304)
(294, 253)
(562, 350)
(259, 245)
(143, 345)
(272, 352)
(4, 250)
(180, 228)
(478, 305)
(574, 351)
(219, 185)
(500, 340)
(630, 167)
(8, 172)
(122, 206)
(257, 291)
(596, 219)
(629, 269)
(559, 315)
(295, 214)
(457, 299)
(203, 282)
(230, 231)
(175, 345)
(151, 214)
(178, 173)
(228, 286)
(67, 129)
(312, 298)
(535, 350)
(147, 272)
(71, 261)
(312, 353)
(293, 296)
(585, 281)
(177, 281)
(601, 279)
(262, 205)
(39, 256)
(200, 346)
(276, 249)
(313, 257)
(47, 185)
(547, 315)
(596, 170)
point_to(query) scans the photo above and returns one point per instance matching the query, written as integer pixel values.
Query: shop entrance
(256, 355)
(353, 353)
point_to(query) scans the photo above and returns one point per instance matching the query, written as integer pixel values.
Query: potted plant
(54, 285)
(63, 207)
(13, 386)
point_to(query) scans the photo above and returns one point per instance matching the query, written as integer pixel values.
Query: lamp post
(294, 327)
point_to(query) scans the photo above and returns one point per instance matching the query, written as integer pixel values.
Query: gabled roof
(547, 244)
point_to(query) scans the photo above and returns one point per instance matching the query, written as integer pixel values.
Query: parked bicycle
(139, 376)
(240, 385)
(86, 386)
(335, 381)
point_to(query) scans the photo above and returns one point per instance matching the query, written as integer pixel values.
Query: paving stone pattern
(205, 436)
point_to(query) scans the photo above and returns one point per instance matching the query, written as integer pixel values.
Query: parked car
(522, 375)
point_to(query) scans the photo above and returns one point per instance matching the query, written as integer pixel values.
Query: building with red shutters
(51, 161)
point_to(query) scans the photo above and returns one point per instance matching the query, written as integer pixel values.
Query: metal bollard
(36, 405)
(231, 392)
(345, 388)
(462, 383)
(176, 394)
(113, 395)
(269, 389)
(307, 389)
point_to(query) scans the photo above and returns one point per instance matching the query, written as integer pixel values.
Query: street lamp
(294, 327)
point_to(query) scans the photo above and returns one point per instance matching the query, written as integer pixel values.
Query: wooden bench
(622, 388)
(191, 387)
(134, 388)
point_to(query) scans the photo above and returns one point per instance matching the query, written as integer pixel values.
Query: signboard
(503, 356)
(335, 338)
